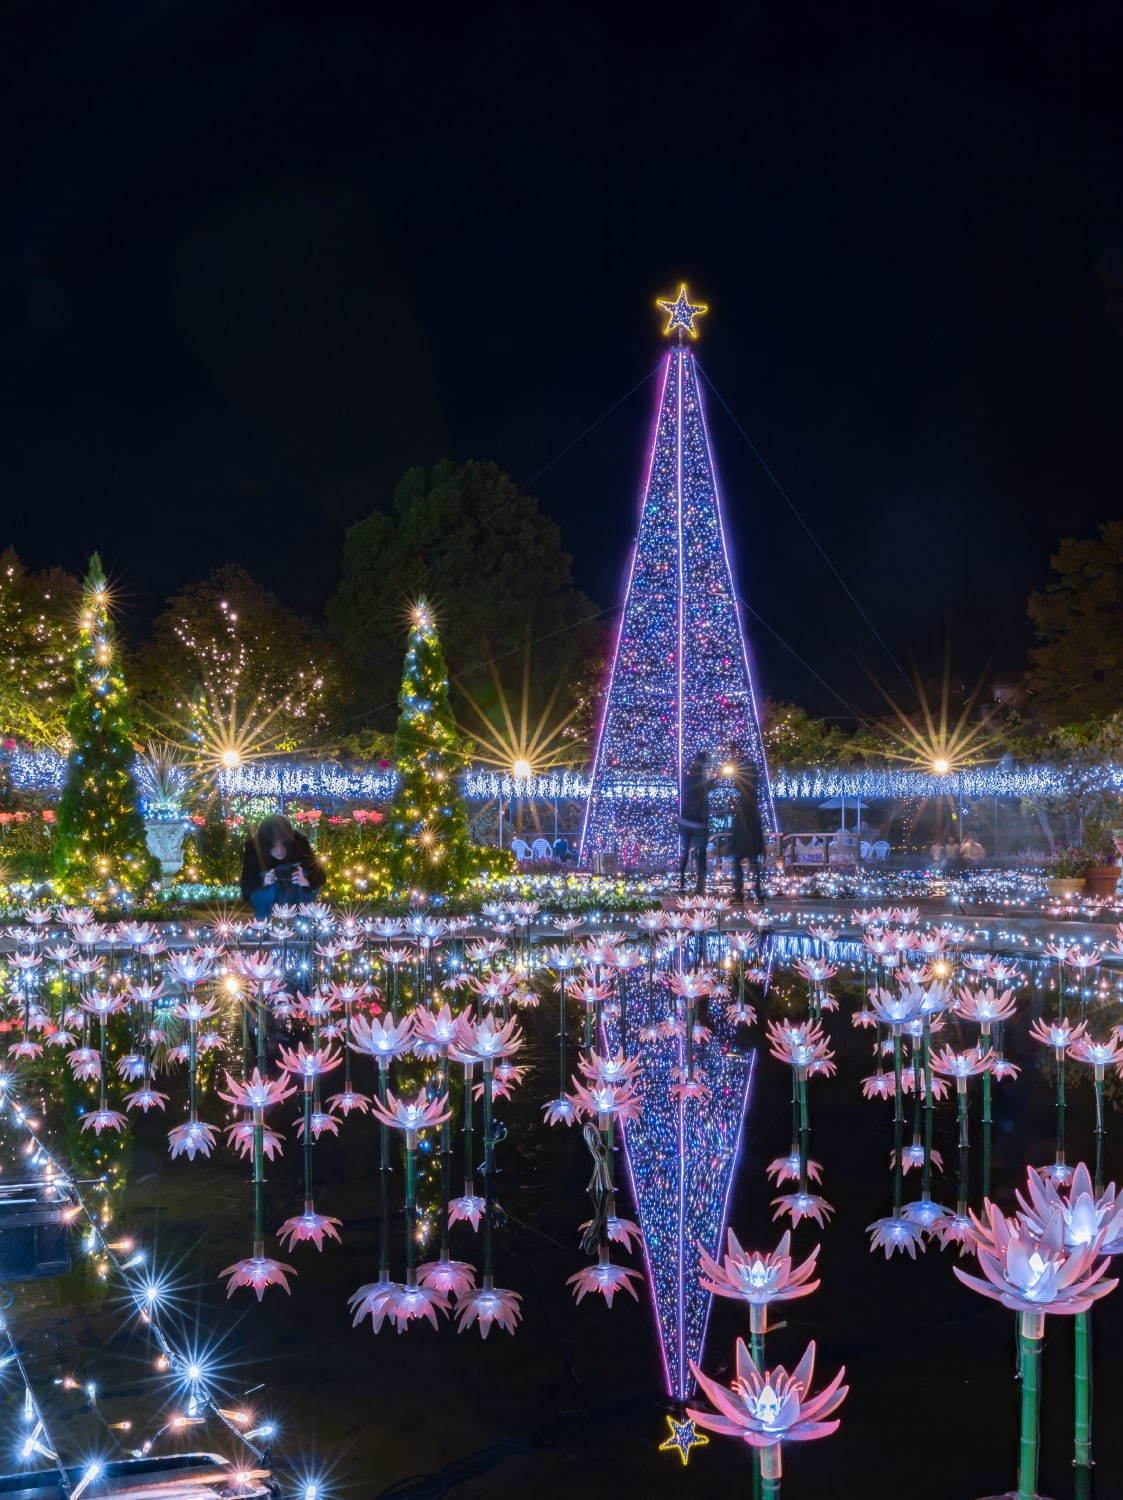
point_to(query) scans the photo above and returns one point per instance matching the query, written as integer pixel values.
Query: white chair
(880, 850)
(540, 849)
(520, 849)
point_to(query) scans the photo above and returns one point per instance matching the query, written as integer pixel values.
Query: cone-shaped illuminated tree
(100, 848)
(680, 679)
(428, 828)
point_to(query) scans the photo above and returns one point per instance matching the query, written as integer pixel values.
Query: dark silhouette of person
(746, 839)
(694, 821)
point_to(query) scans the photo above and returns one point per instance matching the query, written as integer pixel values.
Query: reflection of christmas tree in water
(680, 680)
(681, 1153)
(100, 846)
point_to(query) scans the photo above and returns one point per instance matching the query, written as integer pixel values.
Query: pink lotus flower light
(801, 1046)
(406, 1303)
(307, 1062)
(619, 1231)
(896, 1010)
(962, 1065)
(561, 1111)
(453, 1278)
(691, 1087)
(1098, 1055)
(1031, 1273)
(485, 1041)
(347, 1101)
(434, 1032)
(372, 1301)
(240, 1138)
(383, 1039)
(192, 1138)
(131, 1067)
(798, 1206)
(770, 1407)
(1084, 1217)
(308, 1227)
(85, 1063)
(487, 1306)
(758, 1279)
(786, 1169)
(421, 1114)
(984, 1007)
(1059, 1034)
(257, 1092)
(104, 1119)
(605, 1279)
(606, 1099)
(320, 1123)
(896, 1233)
(145, 1099)
(27, 1050)
(469, 1209)
(258, 1272)
(618, 1069)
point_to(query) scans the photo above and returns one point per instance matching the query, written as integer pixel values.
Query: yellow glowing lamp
(521, 770)
(231, 759)
(941, 765)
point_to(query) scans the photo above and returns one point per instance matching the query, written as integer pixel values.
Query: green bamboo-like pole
(804, 1128)
(469, 1132)
(489, 1169)
(1031, 1328)
(1061, 1055)
(1099, 1086)
(383, 1182)
(411, 1206)
(898, 1125)
(446, 1158)
(259, 1182)
(1082, 1391)
(307, 1143)
(756, 1339)
(929, 1111)
(986, 1133)
(770, 1471)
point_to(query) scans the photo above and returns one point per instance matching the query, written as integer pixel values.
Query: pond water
(575, 1402)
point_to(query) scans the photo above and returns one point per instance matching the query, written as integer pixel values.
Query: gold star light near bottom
(683, 1436)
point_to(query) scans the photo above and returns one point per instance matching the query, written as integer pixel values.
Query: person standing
(746, 839)
(694, 821)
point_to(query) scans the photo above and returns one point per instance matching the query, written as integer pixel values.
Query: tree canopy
(38, 622)
(225, 640)
(1078, 618)
(494, 569)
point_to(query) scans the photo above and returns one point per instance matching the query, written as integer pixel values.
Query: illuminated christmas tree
(680, 680)
(100, 849)
(427, 825)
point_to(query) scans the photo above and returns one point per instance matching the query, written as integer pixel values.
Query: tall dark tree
(37, 613)
(1078, 663)
(493, 566)
(227, 640)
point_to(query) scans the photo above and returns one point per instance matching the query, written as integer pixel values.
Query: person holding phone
(279, 868)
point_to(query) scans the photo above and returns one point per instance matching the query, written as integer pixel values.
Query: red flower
(49, 815)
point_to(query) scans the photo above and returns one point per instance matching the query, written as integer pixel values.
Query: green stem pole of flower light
(964, 1145)
(469, 1132)
(1061, 1054)
(1082, 1390)
(986, 1126)
(804, 1128)
(1099, 1085)
(259, 1181)
(383, 1184)
(489, 1169)
(757, 1315)
(561, 1034)
(307, 1140)
(411, 1206)
(1031, 1328)
(929, 1111)
(104, 1092)
(898, 1126)
(446, 1158)
(192, 1062)
(770, 1472)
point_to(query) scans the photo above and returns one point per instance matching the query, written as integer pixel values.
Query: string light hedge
(100, 849)
(428, 845)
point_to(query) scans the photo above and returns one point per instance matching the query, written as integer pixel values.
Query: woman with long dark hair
(279, 868)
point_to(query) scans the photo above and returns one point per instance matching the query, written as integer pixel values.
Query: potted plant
(1065, 875)
(163, 781)
(1101, 872)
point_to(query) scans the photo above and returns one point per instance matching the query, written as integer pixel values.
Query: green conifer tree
(427, 836)
(100, 849)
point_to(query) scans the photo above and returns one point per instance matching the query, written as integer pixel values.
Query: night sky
(260, 257)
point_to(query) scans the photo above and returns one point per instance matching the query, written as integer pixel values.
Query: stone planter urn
(1100, 882)
(1065, 888)
(164, 837)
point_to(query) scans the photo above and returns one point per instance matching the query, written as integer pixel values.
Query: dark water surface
(573, 1404)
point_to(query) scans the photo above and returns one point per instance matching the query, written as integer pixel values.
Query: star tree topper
(682, 312)
(684, 1436)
